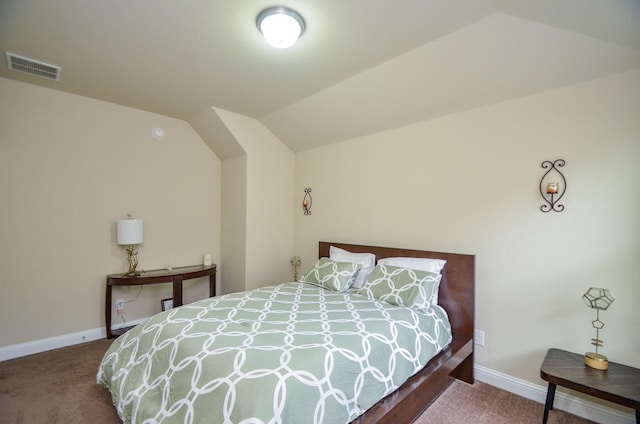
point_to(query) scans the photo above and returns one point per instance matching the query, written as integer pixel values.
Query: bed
(302, 351)
(457, 297)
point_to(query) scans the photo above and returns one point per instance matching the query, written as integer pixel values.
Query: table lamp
(130, 232)
(598, 299)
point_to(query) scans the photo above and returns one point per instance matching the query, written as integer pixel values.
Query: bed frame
(457, 297)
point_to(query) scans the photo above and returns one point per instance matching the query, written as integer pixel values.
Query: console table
(175, 276)
(619, 384)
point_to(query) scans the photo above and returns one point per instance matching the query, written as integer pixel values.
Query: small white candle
(206, 259)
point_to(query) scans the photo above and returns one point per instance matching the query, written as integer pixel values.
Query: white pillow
(367, 262)
(422, 264)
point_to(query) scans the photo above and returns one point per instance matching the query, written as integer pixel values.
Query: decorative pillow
(402, 286)
(366, 261)
(423, 264)
(331, 275)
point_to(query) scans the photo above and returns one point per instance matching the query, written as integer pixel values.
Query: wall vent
(33, 67)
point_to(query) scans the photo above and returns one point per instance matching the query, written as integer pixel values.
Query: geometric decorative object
(598, 299)
(280, 26)
(307, 201)
(129, 233)
(551, 189)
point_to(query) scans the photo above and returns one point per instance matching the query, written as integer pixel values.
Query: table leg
(177, 291)
(637, 416)
(107, 311)
(212, 284)
(548, 405)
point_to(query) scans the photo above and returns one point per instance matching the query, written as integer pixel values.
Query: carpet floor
(59, 386)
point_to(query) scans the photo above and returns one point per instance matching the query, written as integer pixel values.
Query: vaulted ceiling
(362, 66)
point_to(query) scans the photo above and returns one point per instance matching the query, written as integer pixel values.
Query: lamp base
(597, 361)
(132, 258)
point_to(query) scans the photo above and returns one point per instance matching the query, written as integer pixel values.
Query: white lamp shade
(129, 231)
(280, 26)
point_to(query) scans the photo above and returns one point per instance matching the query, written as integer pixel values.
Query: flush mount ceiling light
(280, 26)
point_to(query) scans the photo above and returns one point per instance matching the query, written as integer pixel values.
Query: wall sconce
(307, 201)
(552, 192)
(129, 232)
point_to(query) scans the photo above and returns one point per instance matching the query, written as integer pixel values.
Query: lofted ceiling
(361, 67)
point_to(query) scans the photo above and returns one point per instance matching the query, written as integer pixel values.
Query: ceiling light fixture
(280, 26)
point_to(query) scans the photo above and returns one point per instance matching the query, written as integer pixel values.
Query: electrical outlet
(120, 305)
(478, 337)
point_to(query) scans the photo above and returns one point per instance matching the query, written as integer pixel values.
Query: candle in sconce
(305, 203)
(553, 188)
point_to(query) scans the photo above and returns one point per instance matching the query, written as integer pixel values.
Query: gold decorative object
(129, 233)
(132, 258)
(598, 299)
(295, 263)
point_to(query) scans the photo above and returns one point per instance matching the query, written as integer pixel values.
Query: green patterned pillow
(402, 286)
(332, 275)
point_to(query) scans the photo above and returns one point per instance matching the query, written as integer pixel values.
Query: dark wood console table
(175, 276)
(619, 384)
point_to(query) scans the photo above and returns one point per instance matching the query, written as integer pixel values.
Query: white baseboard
(564, 402)
(571, 404)
(37, 346)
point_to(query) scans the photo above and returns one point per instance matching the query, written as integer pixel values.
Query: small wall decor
(158, 133)
(307, 201)
(553, 185)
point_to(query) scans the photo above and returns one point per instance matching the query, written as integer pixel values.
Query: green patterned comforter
(292, 353)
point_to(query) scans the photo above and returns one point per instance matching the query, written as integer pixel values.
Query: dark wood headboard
(457, 288)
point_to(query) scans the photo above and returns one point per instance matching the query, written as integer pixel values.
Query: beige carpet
(59, 387)
(484, 404)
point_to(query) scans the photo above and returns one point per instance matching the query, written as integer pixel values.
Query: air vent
(33, 67)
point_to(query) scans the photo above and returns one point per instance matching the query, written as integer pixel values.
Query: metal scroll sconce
(307, 201)
(552, 192)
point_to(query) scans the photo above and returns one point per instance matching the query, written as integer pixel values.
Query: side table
(619, 384)
(175, 276)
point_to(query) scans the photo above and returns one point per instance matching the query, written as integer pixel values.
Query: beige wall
(234, 224)
(468, 183)
(269, 201)
(69, 168)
